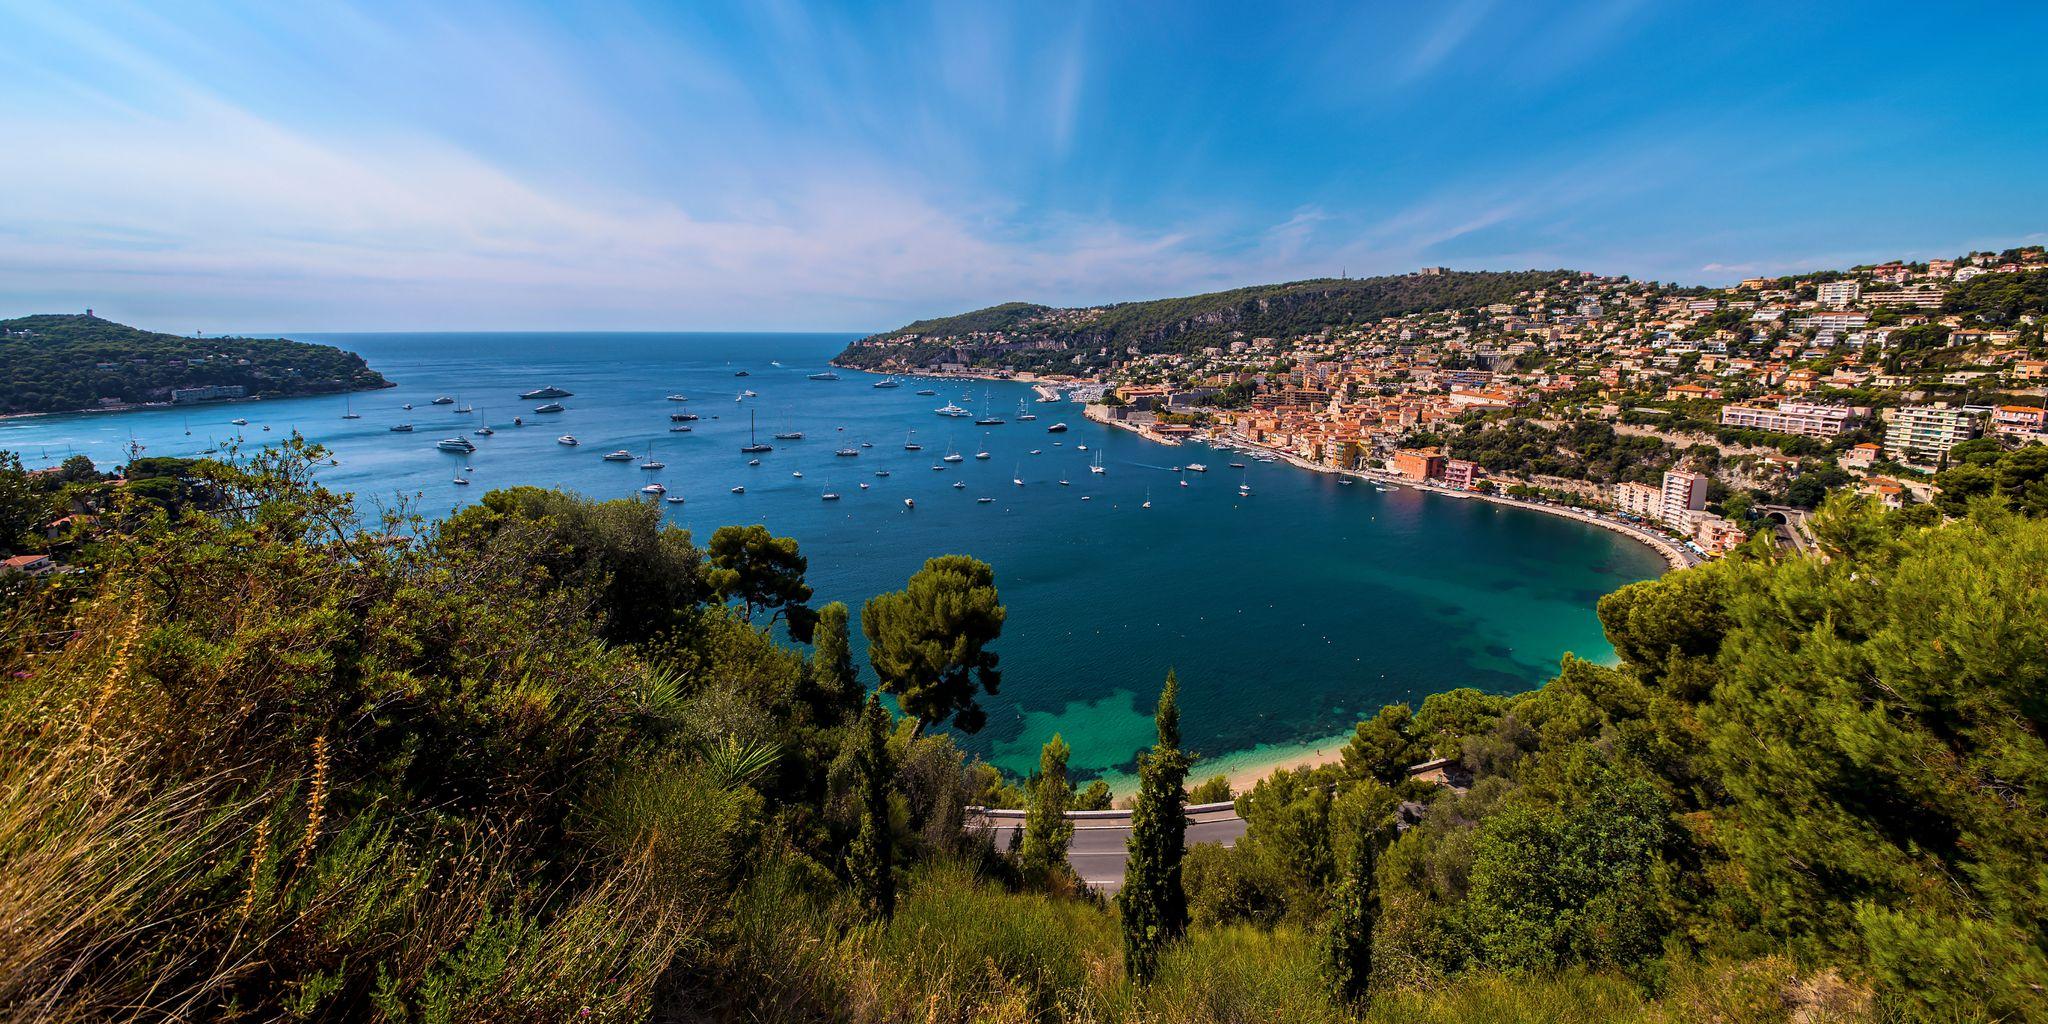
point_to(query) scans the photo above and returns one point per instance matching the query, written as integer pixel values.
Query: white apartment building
(1923, 434)
(1805, 418)
(1640, 500)
(1837, 294)
(1682, 493)
(1929, 298)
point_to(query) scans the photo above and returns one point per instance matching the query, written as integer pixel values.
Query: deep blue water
(1288, 613)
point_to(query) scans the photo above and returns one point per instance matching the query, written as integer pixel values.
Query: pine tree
(1047, 832)
(870, 860)
(1354, 913)
(1153, 904)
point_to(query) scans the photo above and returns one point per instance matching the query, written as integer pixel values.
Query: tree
(928, 642)
(18, 502)
(1382, 747)
(1154, 904)
(1354, 913)
(759, 568)
(870, 860)
(832, 686)
(1047, 832)
(1096, 797)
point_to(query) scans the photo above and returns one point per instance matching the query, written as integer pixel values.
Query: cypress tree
(1047, 832)
(1153, 904)
(1354, 913)
(870, 860)
(833, 692)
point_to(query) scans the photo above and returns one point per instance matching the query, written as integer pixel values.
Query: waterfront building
(1419, 464)
(1809, 419)
(1925, 433)
(1460, 473)
(1640, 500)
(1682, 493)
(208, 393)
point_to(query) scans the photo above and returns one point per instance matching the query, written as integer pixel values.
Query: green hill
(65, 362)
(1027, 336)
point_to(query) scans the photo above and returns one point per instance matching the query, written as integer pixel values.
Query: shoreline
(160, 406)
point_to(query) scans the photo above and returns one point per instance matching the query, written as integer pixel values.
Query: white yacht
(456, 444)
(570, 440)
(621, 455)
(951, 410)
(654, 489)
(1096, 466)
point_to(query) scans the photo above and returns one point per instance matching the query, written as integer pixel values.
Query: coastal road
(1101, 837)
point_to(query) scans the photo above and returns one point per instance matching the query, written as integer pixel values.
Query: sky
(853, 166)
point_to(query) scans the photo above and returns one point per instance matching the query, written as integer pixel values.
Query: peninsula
(80, 362)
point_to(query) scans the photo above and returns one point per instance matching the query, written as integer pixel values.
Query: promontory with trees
(74, 362)
(553, 759)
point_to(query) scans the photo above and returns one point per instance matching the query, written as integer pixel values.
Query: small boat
(741, 397)
(790, 435)
(881, 472)
(910, 445)
(959, 485)
(674, 499)
(654, 489)
(863, 486)
(1080, 447)
(683, 417)
(1017, 477)
(739, 490)
(741, 373)
(909, 503)
(936, 468)
(678, 398)
(750, 393)
(444, 400)
(983, 501)
(1035, 451)
(652, 463)
(867, 444)
(777, 363)
(455, 444)
(1024, 413)
(927, 392)
(485, 431)
(621, 455)
(463, 480)
(830, 495)
(1346, 481)
(1237, 465)
(464, 410)
(1096, 466)
(848, 453)
(953, 456)
(1183, 479)
(568, 439)
(827, 375)
(1063, 483)
(799, 474)
(550, 391)
(680, 428)
(402, 428)
(1148, 500)
(753, 462)
(239, 422)
(518, 421)
(1196, 467)
(1057, 428)
(349, 413)
(407, 407)
(550, 407)
(887, 384)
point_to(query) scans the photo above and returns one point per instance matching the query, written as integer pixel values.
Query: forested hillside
(62, 362)
(553, 759)
(1022, 335)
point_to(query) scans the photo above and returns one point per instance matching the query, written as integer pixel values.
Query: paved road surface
(1101, 837)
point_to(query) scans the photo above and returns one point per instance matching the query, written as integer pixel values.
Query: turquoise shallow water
(1288, 613)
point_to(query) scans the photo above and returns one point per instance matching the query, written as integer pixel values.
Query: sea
(1288, 610)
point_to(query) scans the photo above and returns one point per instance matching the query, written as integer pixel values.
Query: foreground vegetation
(550, 758)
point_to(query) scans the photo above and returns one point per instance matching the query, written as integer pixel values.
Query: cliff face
(1049, 339)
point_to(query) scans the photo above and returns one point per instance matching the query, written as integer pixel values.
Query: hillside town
(1702, 414)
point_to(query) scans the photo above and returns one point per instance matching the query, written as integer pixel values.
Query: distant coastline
(158, 406)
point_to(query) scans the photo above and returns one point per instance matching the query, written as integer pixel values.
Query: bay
(1288, 613)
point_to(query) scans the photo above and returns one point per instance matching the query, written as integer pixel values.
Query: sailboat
(1096, 466)
(1024, 413)
(910, 445)
(787, 434)
(988, 419)
(1017, 475)
(350, 413)
(1244, 486)
(652, 463)
(484, 430)
(753, 445)
(953, 456)
(1183, 478)
(983, 453)
(1148, 498)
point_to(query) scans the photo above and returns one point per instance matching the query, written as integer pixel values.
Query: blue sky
(768, 165)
